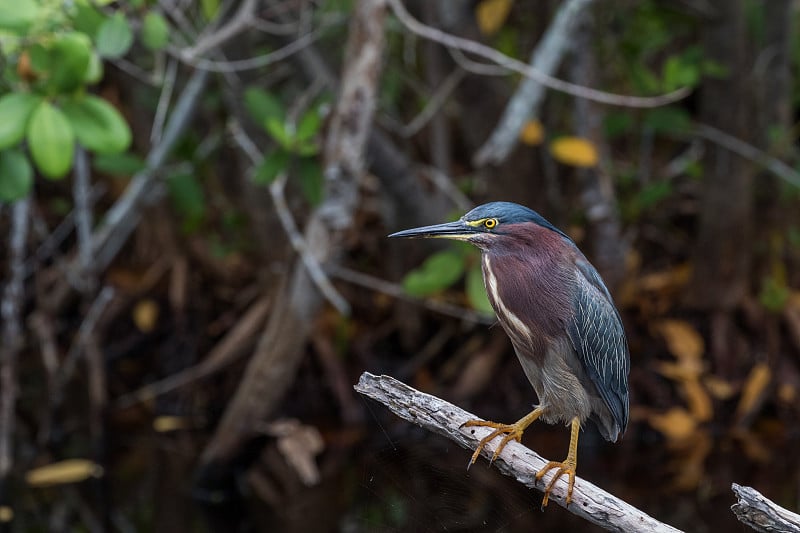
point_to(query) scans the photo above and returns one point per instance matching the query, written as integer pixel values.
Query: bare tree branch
(515, 65)
(279, 351)
(748, 151)
(123, 217)
(529, 96)
(761, 514)
(588, 501)
(299, 243)
(11, 341)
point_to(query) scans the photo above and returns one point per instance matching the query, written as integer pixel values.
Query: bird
(561, 320)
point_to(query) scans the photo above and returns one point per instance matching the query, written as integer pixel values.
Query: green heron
(562, 322)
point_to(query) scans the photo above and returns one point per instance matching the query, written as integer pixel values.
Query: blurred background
(194, 203)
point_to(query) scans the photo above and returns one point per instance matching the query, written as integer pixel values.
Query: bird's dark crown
(509, 213)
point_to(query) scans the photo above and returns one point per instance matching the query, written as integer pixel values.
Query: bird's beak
(450, 230)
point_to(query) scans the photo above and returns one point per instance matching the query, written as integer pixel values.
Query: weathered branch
(525, 103)
(588, 501)
(761, 514)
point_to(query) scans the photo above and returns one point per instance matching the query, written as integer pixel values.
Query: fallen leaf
(753, 390)
(491, 14)
(688, 466)
(166, 423)
(574, 151)
(698, 401)
(683, 341)
(63, 472)
(676, 424)
(787, 393)
(718, 387)
(145, 315)
(299, 444)
(532, 133)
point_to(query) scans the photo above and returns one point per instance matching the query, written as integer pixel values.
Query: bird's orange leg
(567, 466)
(512, 431)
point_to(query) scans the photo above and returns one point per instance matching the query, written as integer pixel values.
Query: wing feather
(598, 337)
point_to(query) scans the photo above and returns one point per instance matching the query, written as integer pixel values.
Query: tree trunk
(721, 256)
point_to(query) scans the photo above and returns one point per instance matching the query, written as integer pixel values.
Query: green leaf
(87, 18)
(51, 140)
(271, 166)
(94, 73)
(312, 180)
(97, 124)
(210, 8)
(119, 165)
(438, 272)
(17, 16)
(155, 31)
(114, 37)
(15, 111)
(188, 198)
(679, 72)
(278, 130)
(308, 126)
(476, 291)
(668, 120)
(16, 175)
(70, 58)
(263, 105)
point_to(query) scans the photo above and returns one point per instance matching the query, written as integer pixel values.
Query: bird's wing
(599, 339)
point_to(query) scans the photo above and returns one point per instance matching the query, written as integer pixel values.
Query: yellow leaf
(757, 381)
(675, 424)
(491, 14)
(532, 133)
(787, 393)
(6, 513)
(145, 315)
(682, 339)
(698, 401)
(67, 471)
(164, 424)
(718, 387)
(574, 151)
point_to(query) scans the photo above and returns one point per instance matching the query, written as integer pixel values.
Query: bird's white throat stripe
(505, 312)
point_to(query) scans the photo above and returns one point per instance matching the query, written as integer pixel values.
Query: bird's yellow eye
(490, 223)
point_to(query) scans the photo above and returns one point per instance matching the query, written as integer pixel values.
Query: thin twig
(515, 65)
(168, 85)
(529, 96)
(396, 291)
(123, 217)
(299, 244)
(435, 103)
(11, 341)
(81, 192)
(235, 25)
(235, 65)
(86, 330)
(748, 151)
(434, 414)
(225, 352)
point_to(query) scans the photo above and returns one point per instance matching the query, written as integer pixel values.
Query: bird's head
(486, 226)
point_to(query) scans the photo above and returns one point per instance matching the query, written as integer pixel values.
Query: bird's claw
(512, 431)
(566, 467)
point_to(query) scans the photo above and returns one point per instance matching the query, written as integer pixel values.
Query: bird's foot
(511, 431)
(568, 467)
